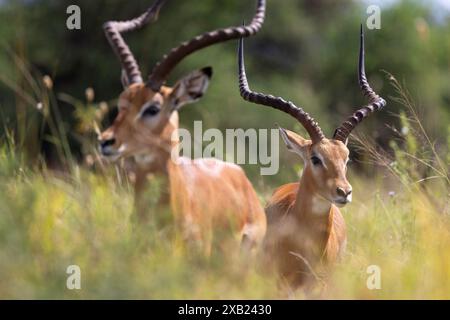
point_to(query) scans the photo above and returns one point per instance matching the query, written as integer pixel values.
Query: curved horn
(311, 126)
(113, 30)
(375, 101)
(165, 66)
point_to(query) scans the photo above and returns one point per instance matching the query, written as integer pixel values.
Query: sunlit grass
(84, 216)
(402, 223)
(48, 223)
(406, 236)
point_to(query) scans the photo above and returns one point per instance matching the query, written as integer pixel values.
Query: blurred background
(61, 205)
(307, 52)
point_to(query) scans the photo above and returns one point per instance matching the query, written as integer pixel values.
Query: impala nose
(105, 146)
(345, 194)
(107, 143)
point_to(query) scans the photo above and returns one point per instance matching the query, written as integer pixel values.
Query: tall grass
(83, 216)
(401, 221)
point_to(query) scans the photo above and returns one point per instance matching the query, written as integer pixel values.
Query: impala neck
(309, 204)
(148, 168)
(314, 217)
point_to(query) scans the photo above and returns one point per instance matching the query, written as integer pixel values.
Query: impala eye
(316, 161)
(151, 111)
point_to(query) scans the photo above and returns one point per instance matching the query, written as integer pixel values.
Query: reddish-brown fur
(207, 196)
(305, 229)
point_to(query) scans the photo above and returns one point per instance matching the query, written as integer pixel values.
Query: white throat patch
(319, 205)
(144, 159)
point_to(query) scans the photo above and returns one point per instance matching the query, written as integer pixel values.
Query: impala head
(325, 159)
(148, 114)
(147, 119)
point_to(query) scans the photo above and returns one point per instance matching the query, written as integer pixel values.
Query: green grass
(48, 223)
(83, 215)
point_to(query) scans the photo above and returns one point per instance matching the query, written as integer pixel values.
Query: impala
(305, 228)
(204, 194)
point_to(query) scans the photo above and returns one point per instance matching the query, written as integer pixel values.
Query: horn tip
(241, 48)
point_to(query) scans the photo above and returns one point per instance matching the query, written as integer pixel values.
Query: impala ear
(295, 143)
(190, 88)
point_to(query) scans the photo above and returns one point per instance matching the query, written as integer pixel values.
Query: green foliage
(81, 211)
(306, 52)
(402, 223)
(49, 222)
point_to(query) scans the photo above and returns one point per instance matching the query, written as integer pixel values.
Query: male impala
(305, 226)
(203, 193)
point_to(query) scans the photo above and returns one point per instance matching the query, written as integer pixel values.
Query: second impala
(305, 226)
